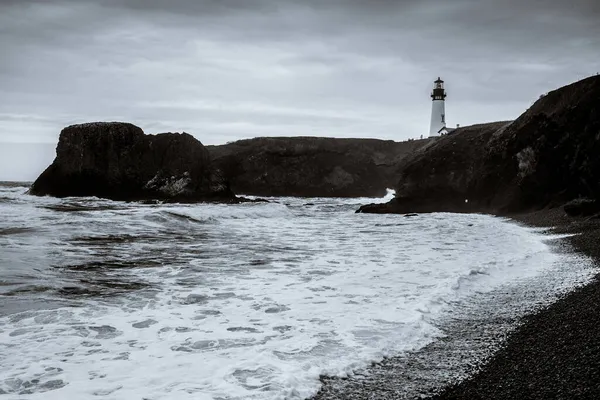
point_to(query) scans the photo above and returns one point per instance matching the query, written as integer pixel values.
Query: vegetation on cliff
(311, 166)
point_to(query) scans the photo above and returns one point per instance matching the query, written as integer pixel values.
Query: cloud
(237, 68)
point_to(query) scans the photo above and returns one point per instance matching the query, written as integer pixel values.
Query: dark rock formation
(548, 156)
(582, 207)
(311, 166)
(118, 161)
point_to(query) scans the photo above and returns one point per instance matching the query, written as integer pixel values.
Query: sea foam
(244, 301)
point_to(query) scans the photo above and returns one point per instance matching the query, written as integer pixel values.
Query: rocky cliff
(118, 161)
(546, 157)
(311, 166)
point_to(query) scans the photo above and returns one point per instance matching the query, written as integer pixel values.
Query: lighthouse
(438, 109)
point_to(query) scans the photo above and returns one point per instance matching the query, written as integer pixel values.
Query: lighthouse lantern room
(438, 109)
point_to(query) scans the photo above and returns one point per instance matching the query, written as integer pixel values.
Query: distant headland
(545, 158)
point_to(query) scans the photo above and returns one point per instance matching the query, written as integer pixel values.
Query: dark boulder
(582, 207)
(546, 157)
(312, 166)
(118, 161)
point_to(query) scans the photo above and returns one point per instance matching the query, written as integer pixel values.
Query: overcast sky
(231, 69)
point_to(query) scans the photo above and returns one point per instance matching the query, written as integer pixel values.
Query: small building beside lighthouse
(438, 109)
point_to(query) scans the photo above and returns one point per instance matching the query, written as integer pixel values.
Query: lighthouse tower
(438, 109)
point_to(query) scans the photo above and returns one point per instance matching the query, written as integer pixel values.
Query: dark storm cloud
(227, 69)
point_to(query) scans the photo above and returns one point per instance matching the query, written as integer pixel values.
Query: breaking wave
(248, 301)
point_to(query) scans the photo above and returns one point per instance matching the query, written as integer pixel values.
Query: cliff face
(545, 158)
(310, 166)
(118, 161)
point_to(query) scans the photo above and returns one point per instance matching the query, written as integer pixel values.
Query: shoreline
(552, 352)
(555, 353)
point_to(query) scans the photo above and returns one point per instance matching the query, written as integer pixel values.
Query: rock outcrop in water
(312, 166)
(547, 157)
(118, 161)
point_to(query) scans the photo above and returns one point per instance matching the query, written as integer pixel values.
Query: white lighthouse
(438, 108)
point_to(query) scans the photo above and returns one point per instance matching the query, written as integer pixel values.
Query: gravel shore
(553, 353)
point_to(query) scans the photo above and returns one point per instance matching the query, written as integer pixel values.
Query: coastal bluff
(117, 161)
(312, 166)
(544, 159)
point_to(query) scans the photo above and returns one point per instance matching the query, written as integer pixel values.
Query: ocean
(115, 300)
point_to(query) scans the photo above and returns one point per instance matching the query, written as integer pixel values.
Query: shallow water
(127, 300)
